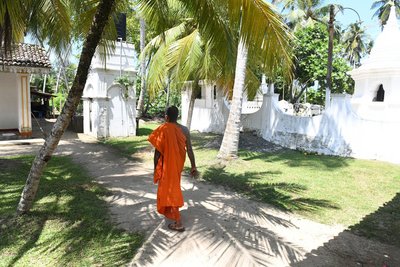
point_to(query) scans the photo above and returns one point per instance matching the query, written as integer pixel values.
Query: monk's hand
(193, 172)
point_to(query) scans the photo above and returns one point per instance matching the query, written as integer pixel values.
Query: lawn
(128, 146)
(330, 190)
(69, 224)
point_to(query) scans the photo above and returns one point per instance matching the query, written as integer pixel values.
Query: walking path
(222, 228)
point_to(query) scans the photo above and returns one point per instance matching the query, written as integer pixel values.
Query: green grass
(68, 225)
(330, 190)
(130, 145)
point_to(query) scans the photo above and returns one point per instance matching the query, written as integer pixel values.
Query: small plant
(126, 82)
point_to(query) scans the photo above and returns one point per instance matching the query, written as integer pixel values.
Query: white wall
(107, 110)
(338, 131)
(8, 101)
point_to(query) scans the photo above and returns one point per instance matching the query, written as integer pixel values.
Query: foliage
(133, 27)
(69, 224)
(59, 101)
(303, 13)
(315, 95)
(125, 80)
(356, 43)
(155, 107)
(311, 57)
(383, 9)
(205, 40)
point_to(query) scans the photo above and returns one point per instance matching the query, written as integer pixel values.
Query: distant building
(16, 66)
(109, 108)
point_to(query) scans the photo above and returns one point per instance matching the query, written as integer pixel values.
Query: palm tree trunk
(230, 142)
(195, 90)
(168, 93)
(42, 158)
(140, 105)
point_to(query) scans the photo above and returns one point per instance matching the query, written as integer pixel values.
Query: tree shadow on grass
(279, 195)
(294, 158)
(69, 222)
(374, 241)
(383, 225)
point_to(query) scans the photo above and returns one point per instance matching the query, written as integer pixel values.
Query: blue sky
(363, 7)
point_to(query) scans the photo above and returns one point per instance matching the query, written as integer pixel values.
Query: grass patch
(68, 225)
(129, 146)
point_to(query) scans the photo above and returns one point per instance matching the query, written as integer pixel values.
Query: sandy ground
(222, 227)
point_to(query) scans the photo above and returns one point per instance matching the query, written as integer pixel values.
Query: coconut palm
(99, 19)
(179, 54)
(143, 90)
(383, 9)
(261, 33)
(45, 18)
(355, 41)
(303, 13)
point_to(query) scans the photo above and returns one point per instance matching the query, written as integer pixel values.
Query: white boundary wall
(338, 131)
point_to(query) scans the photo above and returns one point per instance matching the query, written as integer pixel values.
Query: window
(380, 94)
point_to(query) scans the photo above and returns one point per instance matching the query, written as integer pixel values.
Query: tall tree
(355, 41)
(100, 19)
(303, 13)
(261, 33)
(140, 105)
(383, 9)
(47, 19)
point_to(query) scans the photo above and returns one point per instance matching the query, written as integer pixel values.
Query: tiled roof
(25, 56)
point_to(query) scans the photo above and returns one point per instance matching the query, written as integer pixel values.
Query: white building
(109, 109)
(16, 66)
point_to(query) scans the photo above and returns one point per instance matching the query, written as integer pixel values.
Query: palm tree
(355, 41)
(261, 33)
(19, 16)
(383, 9)
(180, 54)
(303, 13)
(100, 19)
(143, 90)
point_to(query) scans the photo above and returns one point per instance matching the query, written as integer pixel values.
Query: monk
(171, 142)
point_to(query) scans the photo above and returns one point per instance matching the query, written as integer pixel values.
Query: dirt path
(222, 228)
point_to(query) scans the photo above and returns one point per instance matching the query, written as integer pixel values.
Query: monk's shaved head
(172, 113)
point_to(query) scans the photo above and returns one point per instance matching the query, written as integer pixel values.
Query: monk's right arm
(157, 155)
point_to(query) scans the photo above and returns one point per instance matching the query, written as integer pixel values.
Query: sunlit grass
(69, 224)
(130, 145)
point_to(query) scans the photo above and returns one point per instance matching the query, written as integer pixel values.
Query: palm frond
(264, 29)
(184, 56)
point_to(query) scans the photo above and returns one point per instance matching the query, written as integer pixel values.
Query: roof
(385, 54)
(41, 94)
(25, 58)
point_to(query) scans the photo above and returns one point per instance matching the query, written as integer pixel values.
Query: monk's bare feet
(176, 227)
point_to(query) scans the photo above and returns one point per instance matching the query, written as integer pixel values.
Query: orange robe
(170, 141)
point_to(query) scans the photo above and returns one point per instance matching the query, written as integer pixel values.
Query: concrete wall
(9, 114)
